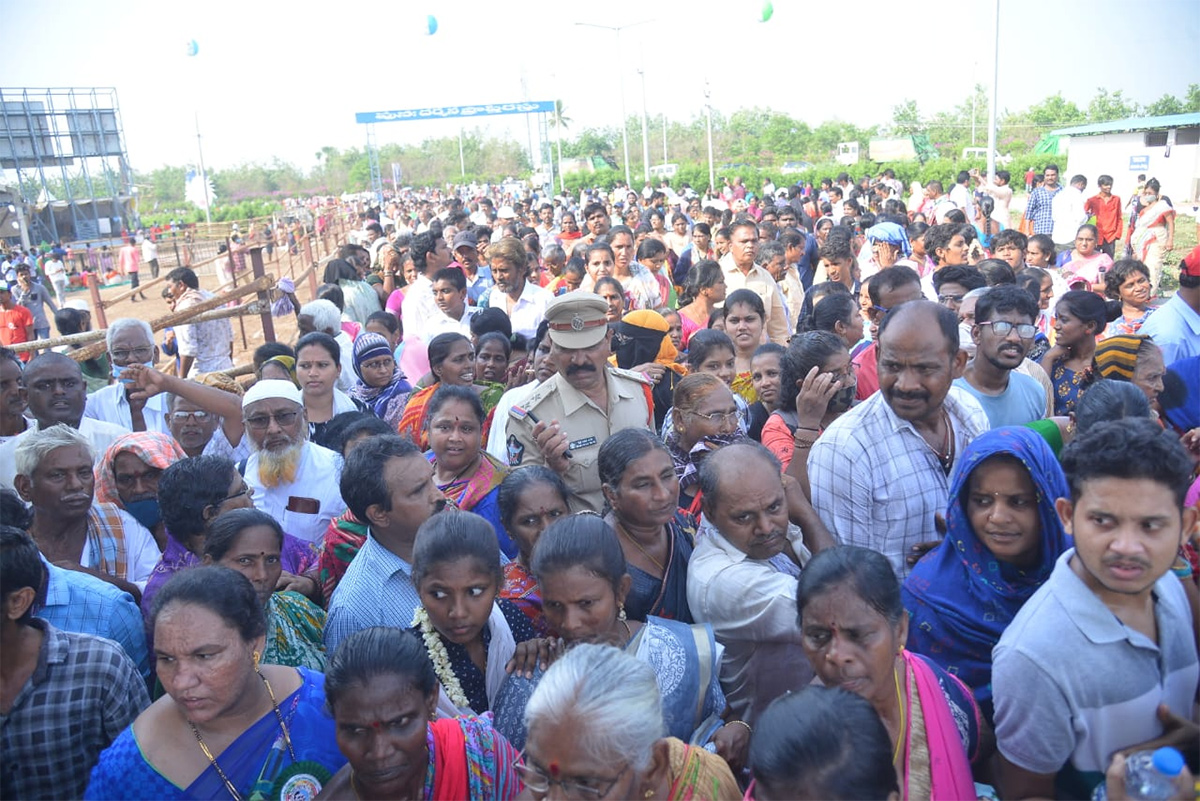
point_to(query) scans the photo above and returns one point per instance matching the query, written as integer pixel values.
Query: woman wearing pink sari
(853, 627)
(1153, 234)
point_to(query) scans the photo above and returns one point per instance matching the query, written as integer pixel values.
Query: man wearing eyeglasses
(130, 341)
(1003, 333)
(294, 480)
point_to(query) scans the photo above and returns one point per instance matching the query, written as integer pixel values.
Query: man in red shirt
(16, 321)
(1106, 208)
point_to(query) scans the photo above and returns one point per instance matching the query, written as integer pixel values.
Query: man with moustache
(294, 480)
(1002, 333)
(72, 529)
(388, 485)
(880, 473)
(56, 393)
(742, 577)
(565, 420)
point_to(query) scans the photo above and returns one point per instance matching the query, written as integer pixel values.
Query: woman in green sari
(249, 541)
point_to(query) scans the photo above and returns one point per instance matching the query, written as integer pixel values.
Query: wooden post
(312, 277)
(99, 319)
(268, 325)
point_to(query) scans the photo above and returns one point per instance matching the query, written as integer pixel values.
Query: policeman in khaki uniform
(566, 419)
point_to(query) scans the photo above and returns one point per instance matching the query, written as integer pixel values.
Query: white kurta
(317, 478)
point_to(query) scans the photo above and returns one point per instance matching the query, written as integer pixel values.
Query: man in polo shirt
(742, 273)
(388, 484)
(1103, 658)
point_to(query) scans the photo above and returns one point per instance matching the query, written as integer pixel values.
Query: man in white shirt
(1068, 213)
(130, 341)
(450, 296)
(742, 578)
(150, 255)
(54, 474)
(429, 254)
(962, 196)
(56, 393)
(524, 301)
(294, 480)
(742, 273)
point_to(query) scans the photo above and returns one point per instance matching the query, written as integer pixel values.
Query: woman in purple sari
(194, 742)
(191, 493)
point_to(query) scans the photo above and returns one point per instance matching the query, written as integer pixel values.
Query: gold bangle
(741, 723)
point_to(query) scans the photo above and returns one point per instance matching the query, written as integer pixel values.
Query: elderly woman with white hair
(596, 730)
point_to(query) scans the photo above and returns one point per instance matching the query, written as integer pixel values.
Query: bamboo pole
(179, 317)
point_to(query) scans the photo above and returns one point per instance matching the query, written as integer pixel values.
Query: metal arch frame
(61, 105)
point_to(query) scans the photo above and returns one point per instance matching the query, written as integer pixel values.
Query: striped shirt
(377, 590)
(877, 484)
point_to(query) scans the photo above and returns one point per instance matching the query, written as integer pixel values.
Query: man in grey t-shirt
(1103, 657)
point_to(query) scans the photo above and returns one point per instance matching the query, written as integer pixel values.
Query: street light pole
(991, 145)
(624, 118)
(645, 131)
(712, 175)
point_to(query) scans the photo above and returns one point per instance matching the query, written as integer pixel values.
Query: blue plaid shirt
(84, 604)
(377, 590)
(1039, 210)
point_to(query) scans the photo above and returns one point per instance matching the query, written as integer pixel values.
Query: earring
(648, 794)
(256, 656)
(621, 613)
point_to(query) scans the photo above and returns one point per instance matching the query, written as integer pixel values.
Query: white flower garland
(441, 659)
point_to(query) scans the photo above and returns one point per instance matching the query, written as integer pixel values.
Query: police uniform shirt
(585, 425)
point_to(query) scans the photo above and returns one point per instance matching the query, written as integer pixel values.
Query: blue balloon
(192, 47)
(430, 25)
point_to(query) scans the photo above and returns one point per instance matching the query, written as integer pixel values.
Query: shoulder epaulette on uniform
(630, 374)
(544, 390)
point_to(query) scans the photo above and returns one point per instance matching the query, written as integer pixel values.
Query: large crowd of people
(842, 491)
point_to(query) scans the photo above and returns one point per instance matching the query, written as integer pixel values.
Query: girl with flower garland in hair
(472, 636)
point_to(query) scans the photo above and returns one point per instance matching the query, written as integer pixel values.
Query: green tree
(1192, 101)
(1167, 104)
(1055, 111)
(1105, 106)
(906, 119)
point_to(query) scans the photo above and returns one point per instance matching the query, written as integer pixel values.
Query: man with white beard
(294, 480)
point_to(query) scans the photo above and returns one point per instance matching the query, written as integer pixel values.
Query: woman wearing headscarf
(128, 472)
(1002, 540)
(640, 342)
(381, 385)
(889, 247)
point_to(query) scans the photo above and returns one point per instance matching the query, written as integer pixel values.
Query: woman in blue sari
(1003, 537)
(582, 571)
(193, 742)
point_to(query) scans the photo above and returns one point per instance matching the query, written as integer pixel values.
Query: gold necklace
(212, 760)
(638, 545)
(900, 706)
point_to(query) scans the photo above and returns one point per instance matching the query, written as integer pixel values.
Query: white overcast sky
(282, 79)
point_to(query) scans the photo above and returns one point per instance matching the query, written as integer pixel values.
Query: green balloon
(768, 10)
